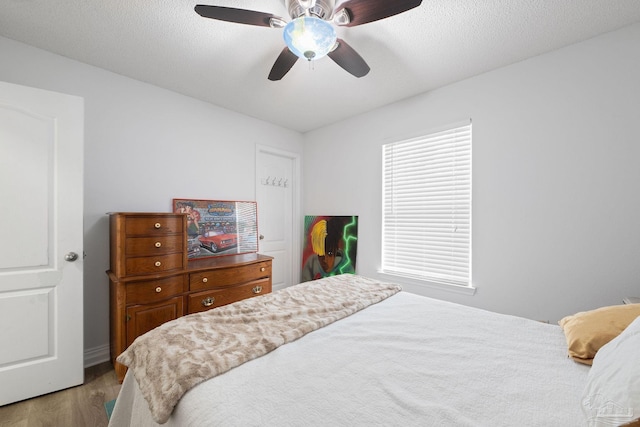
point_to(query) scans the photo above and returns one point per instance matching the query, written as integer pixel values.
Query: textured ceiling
(165, 43)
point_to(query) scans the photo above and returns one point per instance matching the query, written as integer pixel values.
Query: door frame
(296, 186)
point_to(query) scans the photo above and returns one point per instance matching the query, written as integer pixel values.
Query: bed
(395, 359)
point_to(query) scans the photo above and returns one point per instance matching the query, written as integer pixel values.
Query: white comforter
(406, 361)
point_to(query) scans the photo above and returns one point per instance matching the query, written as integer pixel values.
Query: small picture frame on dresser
(219, 227)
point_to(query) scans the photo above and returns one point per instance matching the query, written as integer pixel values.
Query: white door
(41, 158)
(278, 195)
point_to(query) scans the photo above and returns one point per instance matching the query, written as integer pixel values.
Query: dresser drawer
(160, 245)
(147, 291)
(153, 225)
(201, 301)
(153, 264)
(224, 277)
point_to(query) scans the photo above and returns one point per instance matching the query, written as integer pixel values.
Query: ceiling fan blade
(240, 16)
(347, 58)
(283, 64)
(363, 11)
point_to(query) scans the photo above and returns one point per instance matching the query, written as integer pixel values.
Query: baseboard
(96, 355)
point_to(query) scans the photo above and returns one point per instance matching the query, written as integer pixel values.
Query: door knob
(261, 237)
(71, 256)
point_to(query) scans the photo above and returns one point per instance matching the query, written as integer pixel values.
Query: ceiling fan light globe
(309, 37)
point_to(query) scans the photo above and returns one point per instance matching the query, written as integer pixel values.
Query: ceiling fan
(311, 34)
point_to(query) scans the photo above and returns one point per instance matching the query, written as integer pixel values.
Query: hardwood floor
(81, 406)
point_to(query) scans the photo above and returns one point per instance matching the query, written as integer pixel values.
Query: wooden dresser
(151, 281)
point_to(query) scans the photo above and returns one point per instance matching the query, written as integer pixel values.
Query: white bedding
(408, 360)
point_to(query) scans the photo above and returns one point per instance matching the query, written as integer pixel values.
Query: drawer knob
(158, 244)
(208, 302)
(157, 225)
(205, 280)
(158, 289)
(262, 269)
(158, 264)
(257, 290)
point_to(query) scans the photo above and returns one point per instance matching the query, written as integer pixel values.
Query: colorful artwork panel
(330, 246)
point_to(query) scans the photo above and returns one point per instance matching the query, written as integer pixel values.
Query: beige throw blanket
(180, 354)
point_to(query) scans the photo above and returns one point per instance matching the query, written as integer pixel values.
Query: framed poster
(219, 227)
(330, 246)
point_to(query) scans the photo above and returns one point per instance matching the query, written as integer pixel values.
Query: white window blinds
(426, 220)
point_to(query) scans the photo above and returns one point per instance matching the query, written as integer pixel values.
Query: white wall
(556, 176)
(143, 147)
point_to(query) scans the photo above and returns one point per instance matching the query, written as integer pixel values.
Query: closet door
(41, 320)
(279, 220)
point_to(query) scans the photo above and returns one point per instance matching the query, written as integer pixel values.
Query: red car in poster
(218, 241)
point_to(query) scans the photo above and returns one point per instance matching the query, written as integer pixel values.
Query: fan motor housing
(322, 9)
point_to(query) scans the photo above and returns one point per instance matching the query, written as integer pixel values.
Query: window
(426, 219)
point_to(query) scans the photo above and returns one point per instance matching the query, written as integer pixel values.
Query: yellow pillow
(587, 331)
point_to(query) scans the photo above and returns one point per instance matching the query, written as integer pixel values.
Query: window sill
(399, 279)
